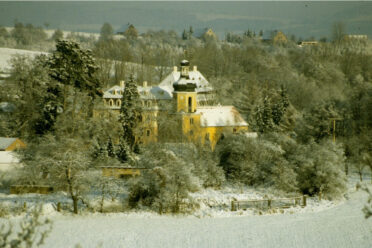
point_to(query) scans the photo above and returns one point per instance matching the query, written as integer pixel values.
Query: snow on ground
(341, 226)
(7, 53)
(320, 224)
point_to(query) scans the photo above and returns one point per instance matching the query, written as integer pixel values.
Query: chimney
(174, 68)
(144, 84)
(195, 68)
(122, 83)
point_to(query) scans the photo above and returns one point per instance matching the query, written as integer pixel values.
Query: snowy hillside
(7, 53)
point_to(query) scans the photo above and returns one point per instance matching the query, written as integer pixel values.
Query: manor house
(182, 108)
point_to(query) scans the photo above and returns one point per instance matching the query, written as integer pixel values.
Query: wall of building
(182, 101)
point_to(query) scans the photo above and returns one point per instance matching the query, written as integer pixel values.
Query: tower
(184, 91)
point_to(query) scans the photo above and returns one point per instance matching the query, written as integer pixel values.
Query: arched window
(111, 102)
(190, 104)
(118, 103)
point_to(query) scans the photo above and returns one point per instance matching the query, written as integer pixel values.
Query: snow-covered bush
(255, 162)
(320, 168)
(33, 232)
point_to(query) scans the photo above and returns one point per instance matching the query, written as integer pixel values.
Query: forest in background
(296, 98)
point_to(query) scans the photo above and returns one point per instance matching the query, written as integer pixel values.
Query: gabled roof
(219, 116)
(6, 142)
(147, 93)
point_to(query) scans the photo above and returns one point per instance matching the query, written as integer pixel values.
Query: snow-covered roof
(8, 158)
(6, 142)
(148, 92)
(202, 85)
(113, 92)
(218, 116)
(154, 92)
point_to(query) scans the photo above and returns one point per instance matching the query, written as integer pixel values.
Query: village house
(275, 37)
(8, 160)
(185, 99)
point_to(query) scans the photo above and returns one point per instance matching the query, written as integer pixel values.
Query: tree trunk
(360, 176)
(75, 202)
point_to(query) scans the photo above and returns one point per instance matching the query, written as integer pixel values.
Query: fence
(23, 189)
(269, 203)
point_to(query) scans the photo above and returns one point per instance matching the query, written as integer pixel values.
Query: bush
(255, 162)
(320, 169)
(33, 232)
(166, 187)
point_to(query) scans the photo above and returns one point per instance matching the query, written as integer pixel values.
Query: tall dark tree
(130, 114)
(74, 67)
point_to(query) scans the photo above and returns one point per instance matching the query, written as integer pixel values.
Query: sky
(302, 18)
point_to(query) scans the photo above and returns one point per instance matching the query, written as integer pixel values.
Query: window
(191, 121)
(191, 132)
(118, 103)
(111, 102)
(190, 104)
(147, 133)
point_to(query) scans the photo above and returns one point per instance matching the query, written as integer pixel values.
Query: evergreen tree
(110, 148)
(130, 114)
(123, 151)
(280, 107)
(191, 32)
(57, 35)
(74, 68)
(106, 32)
(184, 35)
(263, 117)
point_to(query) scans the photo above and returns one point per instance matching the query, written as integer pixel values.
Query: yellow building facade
(183, 105)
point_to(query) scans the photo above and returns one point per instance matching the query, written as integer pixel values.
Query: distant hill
(304, 19)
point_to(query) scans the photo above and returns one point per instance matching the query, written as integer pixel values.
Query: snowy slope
(7, 53)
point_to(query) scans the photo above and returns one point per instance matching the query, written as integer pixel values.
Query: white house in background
(8, 159)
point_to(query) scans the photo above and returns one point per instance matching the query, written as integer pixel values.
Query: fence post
(233, 207)
(58, 206)
(304, 200)
(269, 203)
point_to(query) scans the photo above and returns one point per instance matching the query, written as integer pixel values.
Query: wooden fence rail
(269, 203)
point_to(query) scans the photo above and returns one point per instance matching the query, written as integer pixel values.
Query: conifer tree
(130, 116)
(110, 148)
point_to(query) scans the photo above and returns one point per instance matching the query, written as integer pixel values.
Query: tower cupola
(185, 67)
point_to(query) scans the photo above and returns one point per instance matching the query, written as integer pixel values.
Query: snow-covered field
(320, 224)
(7, 53)
(339, 226)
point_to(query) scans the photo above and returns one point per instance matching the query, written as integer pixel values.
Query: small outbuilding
(121, 171)
(11, 144)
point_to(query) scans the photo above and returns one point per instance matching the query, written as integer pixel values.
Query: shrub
(320, 169)
(166, 187)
